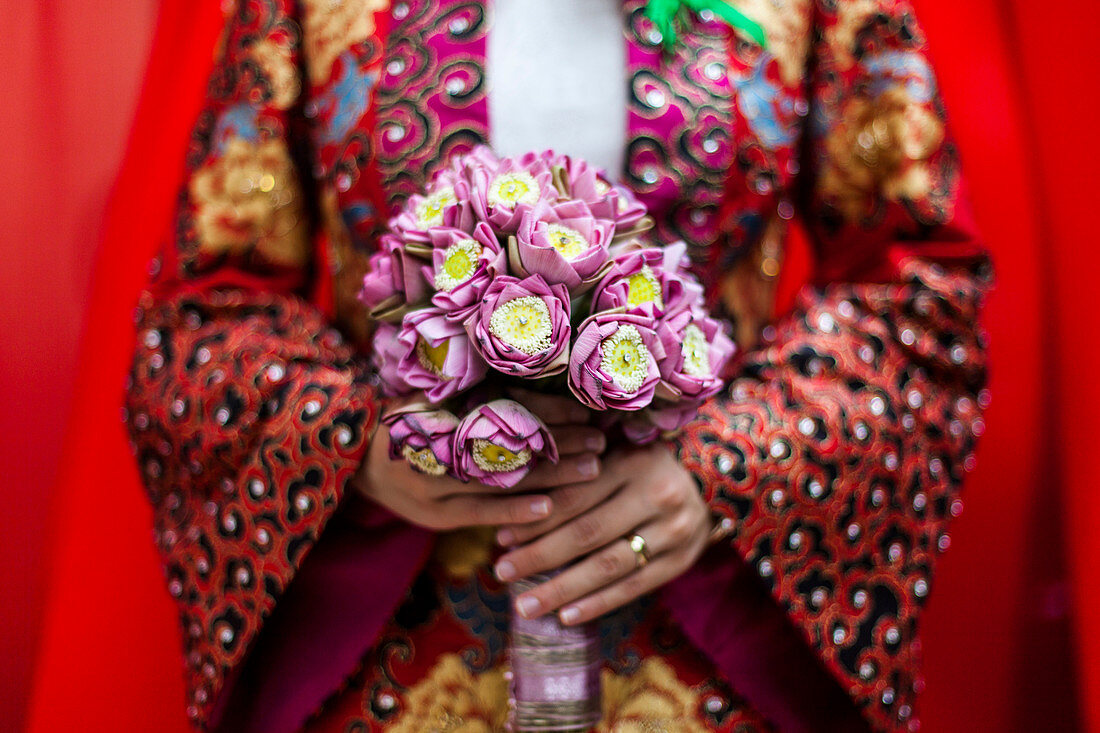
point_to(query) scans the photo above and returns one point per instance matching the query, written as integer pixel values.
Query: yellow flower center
(643, 287)
(523, 323)
(510, 189)
(431, 357)
(568, 242)
(424, 460)
(459, 264)
(625, 358)
(696, 351)
(498, 459)
(429, 212)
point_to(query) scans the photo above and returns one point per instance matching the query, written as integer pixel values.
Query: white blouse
(557, 79)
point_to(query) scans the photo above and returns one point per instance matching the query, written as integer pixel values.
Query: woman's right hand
(445, 503)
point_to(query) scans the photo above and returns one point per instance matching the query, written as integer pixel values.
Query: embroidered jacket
(837, 453)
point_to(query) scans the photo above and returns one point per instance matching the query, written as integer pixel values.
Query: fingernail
(505, 571)
(588, 467)
(527, 606)
(505, 537)
(595, 443)
(570, 615)
(540, 507)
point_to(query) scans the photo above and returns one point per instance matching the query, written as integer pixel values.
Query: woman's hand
(640, 491)
(444, 503)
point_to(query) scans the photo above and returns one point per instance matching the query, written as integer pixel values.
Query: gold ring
(640, 549)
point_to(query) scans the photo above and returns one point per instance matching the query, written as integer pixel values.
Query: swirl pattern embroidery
(680, 126)
(432, 100)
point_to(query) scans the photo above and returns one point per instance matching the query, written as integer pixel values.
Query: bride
(789, 534)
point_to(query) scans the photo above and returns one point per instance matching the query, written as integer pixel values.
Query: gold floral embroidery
(787, 25)
(747, 290)
(851, 18)
(333, 26)
(463, 551)
(652, 699)
(278, 68)
(348, 265)
(249, 198)
(880, 147)
(451, 699)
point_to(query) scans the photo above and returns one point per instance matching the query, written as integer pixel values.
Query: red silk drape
(998, 650)
(109, 658)
(63, 128)
(1057, 62)
(1016, 76)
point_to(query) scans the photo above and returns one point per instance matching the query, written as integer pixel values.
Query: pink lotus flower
(694, 370)
(522, 326)
(462, 268)
(421, 214)
(480, 157)
(563, 242)
(614, 361)
(579, 181)
(646, 426)
(393, 280)
(423, 436)
(671, 419)
(638, 429)
(592, 186)
(648, 281)
(384, 357)
(446, 202)
(629, 211)
(500, 196)
(498, 443)
(436, 356)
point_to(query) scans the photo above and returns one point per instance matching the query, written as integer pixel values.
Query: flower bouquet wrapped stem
(555, 677)
(534, 271)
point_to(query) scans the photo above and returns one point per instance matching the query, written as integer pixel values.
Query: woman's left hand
(642, 491)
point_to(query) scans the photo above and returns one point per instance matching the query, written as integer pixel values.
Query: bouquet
(534, 271)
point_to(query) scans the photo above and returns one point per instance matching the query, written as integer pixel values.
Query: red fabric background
(1020, 82)
(63, 122)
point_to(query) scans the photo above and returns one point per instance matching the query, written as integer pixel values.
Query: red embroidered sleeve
(837, 455)
(248, 414)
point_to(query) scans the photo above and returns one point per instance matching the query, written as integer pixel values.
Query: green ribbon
(664, 13)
